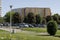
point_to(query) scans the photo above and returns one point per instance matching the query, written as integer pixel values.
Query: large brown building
(43, 12)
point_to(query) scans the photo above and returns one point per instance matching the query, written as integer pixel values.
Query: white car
(26, 25)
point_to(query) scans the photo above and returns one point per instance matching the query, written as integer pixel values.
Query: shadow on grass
(57, 36)
(49, 35)
(42, 35)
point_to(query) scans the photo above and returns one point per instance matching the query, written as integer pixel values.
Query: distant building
(43, 12)
(0, 8)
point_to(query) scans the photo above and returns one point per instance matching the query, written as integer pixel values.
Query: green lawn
(35, 29)
(29, 36)
(26, 36)
(4, 35)
(38, 30)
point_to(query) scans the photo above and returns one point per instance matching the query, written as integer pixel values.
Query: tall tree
(38, 19)
(25, 19)
(31, 18)
(48, 18)
(16, 18)
(56, 18)
(1, 19)
(44, 21)
(7, 16)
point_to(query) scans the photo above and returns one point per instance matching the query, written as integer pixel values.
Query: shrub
(52, 27)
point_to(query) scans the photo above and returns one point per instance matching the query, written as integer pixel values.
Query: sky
(54, 5)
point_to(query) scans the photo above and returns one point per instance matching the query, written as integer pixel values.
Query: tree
(44, 21)
(25, 19)
(38, 19)
(52, 27)
(48, 18)
(1, 19)
(31, 18)
(55, 18)
(59, 17)
(59, 20)
(16, 18)
(7, 16)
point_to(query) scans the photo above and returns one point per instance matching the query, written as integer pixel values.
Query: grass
(3, 31)
(29, 36)
(35, 29)
(26, 36)
(4, 35)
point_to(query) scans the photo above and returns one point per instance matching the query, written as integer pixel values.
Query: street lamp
(10, 16)
(12, 30)
(10, 19)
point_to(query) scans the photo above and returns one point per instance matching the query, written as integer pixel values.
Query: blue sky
(54, 5)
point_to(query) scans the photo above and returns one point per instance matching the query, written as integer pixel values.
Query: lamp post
(10, 17)
(10, 20)
(12, 30)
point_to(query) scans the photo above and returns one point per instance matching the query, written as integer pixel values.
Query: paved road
(10, 30)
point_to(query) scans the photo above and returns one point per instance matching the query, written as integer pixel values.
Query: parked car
(59, 27)
(30, 25)
(1, 24)
(39, 25)
(16, 24)
(26, 25)
(6, 24)
(23, 25)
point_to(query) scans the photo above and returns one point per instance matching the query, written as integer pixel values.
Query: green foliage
(58, 21)
(59, 17)
(7, 16)
(38, 19)
(55, 18)
(31, 18)
(48, 18)
(16, 18)
(52, 27)
(1, 19)
(44, 21)
(25, 20)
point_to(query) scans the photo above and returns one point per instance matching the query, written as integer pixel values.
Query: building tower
(0, 8)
